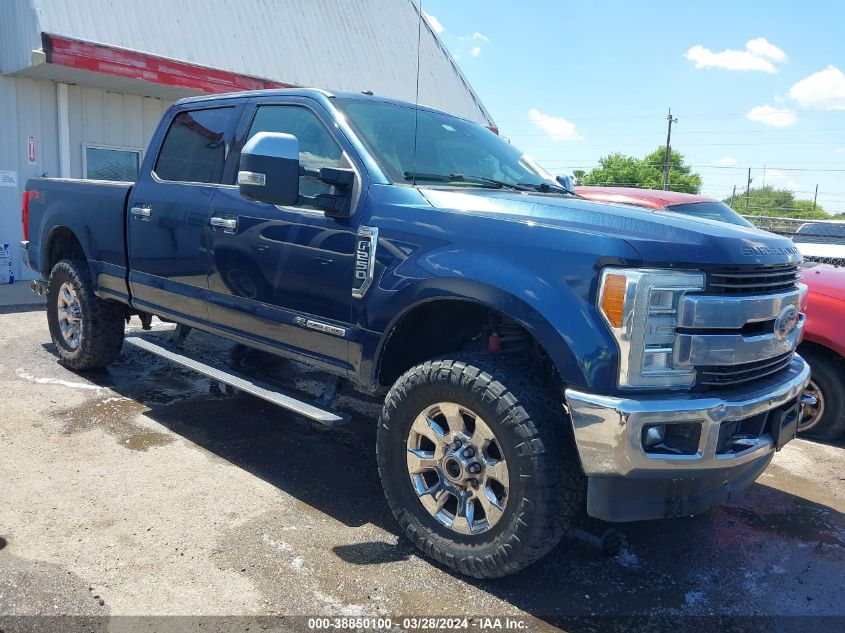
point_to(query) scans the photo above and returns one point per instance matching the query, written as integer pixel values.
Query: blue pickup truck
(538, 354)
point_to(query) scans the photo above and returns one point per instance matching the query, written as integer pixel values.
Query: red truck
(824, 349)
(824, 335)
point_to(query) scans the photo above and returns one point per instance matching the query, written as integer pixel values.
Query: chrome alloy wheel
(70, 315)
(811, 413)
(457, 468)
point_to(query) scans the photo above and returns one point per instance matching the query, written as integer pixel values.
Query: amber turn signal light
(613, 299)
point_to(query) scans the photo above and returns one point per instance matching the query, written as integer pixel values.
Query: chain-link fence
(818, 240)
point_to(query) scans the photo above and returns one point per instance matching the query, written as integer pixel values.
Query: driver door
(283, 275)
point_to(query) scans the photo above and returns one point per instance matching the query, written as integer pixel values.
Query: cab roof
(313, 93)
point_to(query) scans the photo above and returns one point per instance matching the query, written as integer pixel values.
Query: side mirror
(566, 183)
(269, 169)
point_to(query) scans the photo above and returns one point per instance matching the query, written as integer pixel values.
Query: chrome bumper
(608, 430)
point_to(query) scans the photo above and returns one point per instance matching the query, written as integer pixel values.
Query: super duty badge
(365, 260)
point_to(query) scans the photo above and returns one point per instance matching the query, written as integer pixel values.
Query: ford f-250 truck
(532, 347)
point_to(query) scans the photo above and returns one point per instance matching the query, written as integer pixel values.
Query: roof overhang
(121, 70)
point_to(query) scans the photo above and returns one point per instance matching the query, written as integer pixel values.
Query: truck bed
(95, 212)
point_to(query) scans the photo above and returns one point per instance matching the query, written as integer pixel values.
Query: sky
(757, 84)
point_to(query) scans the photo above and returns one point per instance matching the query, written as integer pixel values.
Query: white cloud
(776, 117)
(558, 128)
(824, 90)
(433, 22)
(726, 161)
(763, 48)
(759, 55)
(474, 37)
(476, 51)
(774, 174)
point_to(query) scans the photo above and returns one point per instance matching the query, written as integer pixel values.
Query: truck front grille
(728, 375)
(757, 280)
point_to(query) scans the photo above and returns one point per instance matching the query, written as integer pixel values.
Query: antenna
(417, 95)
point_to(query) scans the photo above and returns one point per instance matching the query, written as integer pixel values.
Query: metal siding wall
(335, 44)
(28, 108)
(19, 34)
(10, 226)
(110, 119)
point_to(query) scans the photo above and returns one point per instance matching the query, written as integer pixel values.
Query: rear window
(826, 233)
(194, 149)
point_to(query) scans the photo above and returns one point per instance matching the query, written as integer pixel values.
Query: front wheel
(86, 330)
(824, 420)
(477, 464)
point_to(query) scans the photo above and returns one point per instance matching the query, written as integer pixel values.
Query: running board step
(249, 385)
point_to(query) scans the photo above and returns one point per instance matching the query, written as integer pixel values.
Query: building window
(108, 163)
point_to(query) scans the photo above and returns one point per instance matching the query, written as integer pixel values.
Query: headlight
(640, 307)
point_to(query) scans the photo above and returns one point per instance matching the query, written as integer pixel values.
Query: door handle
(142, 212)
(229, 225)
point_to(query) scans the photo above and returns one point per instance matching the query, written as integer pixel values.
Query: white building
(83, 83)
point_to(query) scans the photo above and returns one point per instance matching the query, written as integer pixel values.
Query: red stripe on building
(120, 62)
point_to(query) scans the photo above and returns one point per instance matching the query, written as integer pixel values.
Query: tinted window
(710, 210)
(194, 149)
(111, 164)
(317, 147)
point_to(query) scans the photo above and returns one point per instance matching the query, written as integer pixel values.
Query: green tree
(628, 171)
(776, 202)
(578, 175)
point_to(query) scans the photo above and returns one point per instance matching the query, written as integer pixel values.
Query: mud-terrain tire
(825, 420)
(532, 437)
(86, 330)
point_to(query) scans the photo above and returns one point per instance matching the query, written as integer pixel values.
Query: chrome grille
(727, 375)
(758, 280)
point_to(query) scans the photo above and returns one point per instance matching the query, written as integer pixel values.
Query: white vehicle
(822, 241)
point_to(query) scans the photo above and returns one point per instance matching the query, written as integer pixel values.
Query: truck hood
(659, 238)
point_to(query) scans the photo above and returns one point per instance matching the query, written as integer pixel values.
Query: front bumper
(609, 431)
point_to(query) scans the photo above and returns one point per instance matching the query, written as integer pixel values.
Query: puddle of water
(143, 441)
(116, 417)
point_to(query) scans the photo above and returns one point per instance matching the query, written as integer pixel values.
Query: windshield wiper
(546, 187)
(473, 180)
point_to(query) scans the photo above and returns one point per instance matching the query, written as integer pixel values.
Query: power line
(700, 115)
(685, 132)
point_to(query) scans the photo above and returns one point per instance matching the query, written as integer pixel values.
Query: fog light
(653, 435)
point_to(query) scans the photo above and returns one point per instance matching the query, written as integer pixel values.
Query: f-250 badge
(365, 260)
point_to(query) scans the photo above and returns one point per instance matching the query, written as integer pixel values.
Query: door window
(317, 147)
(194, 149)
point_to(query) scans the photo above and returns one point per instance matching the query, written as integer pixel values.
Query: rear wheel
(824, 420)
(86, 330)
(477, 464)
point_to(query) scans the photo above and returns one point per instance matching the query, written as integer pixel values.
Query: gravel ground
(143, 491)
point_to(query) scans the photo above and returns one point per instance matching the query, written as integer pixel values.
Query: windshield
(446, 146)
(710, 210)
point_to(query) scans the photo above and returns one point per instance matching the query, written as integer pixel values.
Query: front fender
(560, 316)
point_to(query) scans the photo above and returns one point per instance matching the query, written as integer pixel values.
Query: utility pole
(747, 191)
(668, 153)
(733, 196)
(816, 196)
